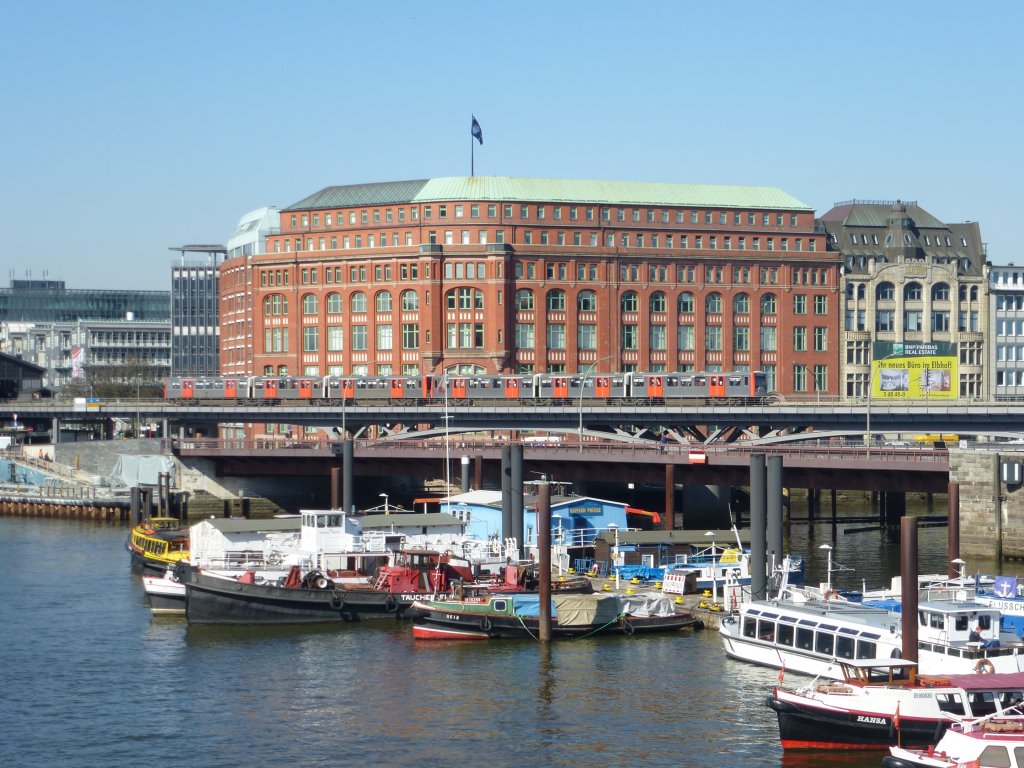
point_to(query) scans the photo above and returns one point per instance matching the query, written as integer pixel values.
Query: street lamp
(583, 389)
(960, 567)
(714, 569)
(615, 553)
(385, 497)
(828, 578)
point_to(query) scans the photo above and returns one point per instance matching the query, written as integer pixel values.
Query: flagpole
(472, 167)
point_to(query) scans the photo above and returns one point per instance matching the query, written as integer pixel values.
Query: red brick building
(496, 274)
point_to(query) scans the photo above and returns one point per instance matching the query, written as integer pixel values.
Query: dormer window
(888, 240)
(906, 239)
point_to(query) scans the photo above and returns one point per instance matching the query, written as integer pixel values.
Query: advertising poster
(914, 370)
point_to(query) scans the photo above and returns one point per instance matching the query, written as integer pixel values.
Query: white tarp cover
(647, 604)
(140, 470)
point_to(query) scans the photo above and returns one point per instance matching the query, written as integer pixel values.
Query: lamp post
(960, 567)
(828, 577)
(615, 553)
(386, 509)
(714, 569)
(583, 389)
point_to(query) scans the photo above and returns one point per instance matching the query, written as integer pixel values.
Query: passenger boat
(157, 543)
(996, 741)
(572, 616)
(877, 695)
(313, 596)
(812, 636)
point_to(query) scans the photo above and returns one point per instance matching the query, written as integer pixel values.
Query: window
(800, 377)
(800, 304)
(884, 320)
(686, 303)
(768, 304)
(820, 339)
(309, 304)
(686, 338)
(334, 303)
(741, 304)
(358, 302)
(713, 338)
(586, 301)
(820, 378)
(586, 336)
(524, 299)
(658, 302)
(556, 301)
(630, 337)
(885, 292)
(335, 334)
(940, 292)
(741, 338)
(912, 320)
(821, 305)
(630, 303)
(658, 337)
(384, 337)
(359, 338)
(912, 292)
(384, 301)
(524, 336)
(799, 339)
(940, 321)
(713, 304)
(556, 335)
(410, 301)
(769, 342)
(310, 338)
(410, 336)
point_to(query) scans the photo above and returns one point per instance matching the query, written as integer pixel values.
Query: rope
(604, 626)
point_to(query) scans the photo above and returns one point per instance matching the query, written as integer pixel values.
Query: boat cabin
(879, 671)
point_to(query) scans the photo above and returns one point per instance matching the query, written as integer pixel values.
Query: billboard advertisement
(914, 371)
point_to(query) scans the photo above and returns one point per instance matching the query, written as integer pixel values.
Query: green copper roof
(514, 189)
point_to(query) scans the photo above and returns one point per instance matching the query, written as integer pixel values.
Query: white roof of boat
(247, 525)
(883, 661)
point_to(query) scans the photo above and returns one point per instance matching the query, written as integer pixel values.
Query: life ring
(485, 624)
(984, 667)
(336, 600)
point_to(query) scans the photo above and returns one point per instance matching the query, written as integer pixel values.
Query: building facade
(195, 311)
(493, 274)
(909, 278)
(1006, 332)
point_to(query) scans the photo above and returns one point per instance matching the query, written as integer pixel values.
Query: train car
(199, 388)
(560, 386)
(477, 387)
(742, 386)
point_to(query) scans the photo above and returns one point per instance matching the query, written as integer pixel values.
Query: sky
(128, 128)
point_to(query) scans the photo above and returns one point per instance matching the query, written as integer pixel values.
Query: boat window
(1018, 753)
(981, 702)
(766, 630)
(870, 635)
(984, 621)
(827, 627)
(501, 606)
(824, 643)
(785, 634)
(807, 623)
(805, 639)
(866, 649)
(962, 623)
(844, 647)
(995, 756)
(749, 627)
(1010, 698)
(847, 631)
(788, 619)
(770, 615)
(950, 702)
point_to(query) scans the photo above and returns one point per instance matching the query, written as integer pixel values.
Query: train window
(700, 381)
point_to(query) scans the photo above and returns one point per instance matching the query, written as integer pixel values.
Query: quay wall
(991, 511)
(107, 510)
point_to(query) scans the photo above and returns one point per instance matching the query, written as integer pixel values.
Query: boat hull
(216, 600)
(166, 596)
(809, 727)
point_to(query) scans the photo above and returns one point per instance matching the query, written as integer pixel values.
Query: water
(89, 678)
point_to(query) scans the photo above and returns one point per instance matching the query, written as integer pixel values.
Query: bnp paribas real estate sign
(914, 370)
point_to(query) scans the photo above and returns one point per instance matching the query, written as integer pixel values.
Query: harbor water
(90, 678)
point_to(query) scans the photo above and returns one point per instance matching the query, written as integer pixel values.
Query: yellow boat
(157, 543)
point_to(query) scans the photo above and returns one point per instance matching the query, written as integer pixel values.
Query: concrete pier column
(953, 544)
(908, 585)
(668, 523)
(55, 429)
(465, 474)
(758, 523)
(895, 506)
(348, 476)
(773, 531)
(335, 487)
(506, 491)
(835, 506)
(516, 492)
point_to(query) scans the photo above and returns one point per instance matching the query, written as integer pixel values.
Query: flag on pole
(782, 673)
(896, 717)
(475, 129)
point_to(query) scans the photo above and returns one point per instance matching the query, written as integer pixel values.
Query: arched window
(384, 301)
(940, 292)
(268, 305)
(358, 302)
(912, 292)
(713, 304)
(309, 304)
(885, 292)
(586, 301)
(524, 299)
(768, 305)
(630, 302)
(333, 303)
(860, 292)
(686, 303)
(556, 300)
(741, 304)
(410, 301)
(658, 302)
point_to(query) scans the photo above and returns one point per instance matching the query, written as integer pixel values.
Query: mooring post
(544, 558)
(908, 585)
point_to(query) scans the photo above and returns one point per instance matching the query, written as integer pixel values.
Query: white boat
(991, 742)
(877, 695)
(812, 636)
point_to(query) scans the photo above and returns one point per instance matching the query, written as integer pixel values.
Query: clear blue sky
(130, 127)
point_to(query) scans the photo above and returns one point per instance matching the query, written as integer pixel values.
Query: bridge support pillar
(347, 476)
(758, 502)
(773, 532)
(516, 488)
(335, 487)
(835, 506)
(895, 504)
(506, 491)
(668, 522)
(953, 545)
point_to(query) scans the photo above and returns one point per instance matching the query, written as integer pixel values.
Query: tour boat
(156, 543)
(996, 741)
(882, 701)
(572, 616)
(812, 636)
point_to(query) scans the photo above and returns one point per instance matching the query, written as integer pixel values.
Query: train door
(458, 388)
(348, 389)
(716, 385)
(306, 389)
(397, 388)
(560, 387)
(270, 387)
(655, 386)
(512, 388)
(603, 386)
(231, 388)
(188, 388)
